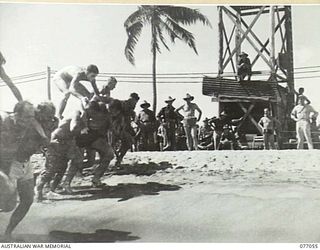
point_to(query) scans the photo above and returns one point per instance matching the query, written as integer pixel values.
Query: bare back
(70, 72)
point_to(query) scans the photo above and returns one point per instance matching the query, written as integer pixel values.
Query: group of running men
(100, 123)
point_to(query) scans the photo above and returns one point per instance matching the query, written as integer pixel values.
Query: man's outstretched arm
(95, 88)
(10, 84)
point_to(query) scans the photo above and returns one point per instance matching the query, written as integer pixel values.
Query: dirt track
(239, 196)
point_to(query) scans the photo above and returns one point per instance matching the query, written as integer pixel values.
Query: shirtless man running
(68, 82)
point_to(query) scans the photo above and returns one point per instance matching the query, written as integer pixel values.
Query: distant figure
(7, 80)
(227, 139)
(68, 82)
(268, 125)
(190, 121)
(244, 67)
(111, 85)
(146, 121)
(169, 120)
(314, 129)
(206, 139)
(301, 115)
(219, 123)
(300, 94)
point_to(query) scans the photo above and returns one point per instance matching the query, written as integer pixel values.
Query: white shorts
(21, 171)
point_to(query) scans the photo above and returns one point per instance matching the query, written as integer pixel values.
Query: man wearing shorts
(19, 140)
(268, 125)
(190, 121)
(68, 82)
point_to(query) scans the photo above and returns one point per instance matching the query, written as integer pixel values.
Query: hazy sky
(33, 36)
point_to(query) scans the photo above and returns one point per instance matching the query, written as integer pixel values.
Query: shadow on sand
(123, 192)
(137, 169)
(99, 236)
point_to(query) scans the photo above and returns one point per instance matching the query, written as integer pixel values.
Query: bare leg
(25, 191)
(194, 137)
(187, 130)
(300, 136)
(126, 141)
(63, 104)
(271, 141)
(10, 84)
(307, 133)
(106, 155)
(266, 141)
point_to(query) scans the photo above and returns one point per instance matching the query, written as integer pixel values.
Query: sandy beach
(205, 196)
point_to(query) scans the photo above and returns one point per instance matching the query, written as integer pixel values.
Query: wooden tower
(265, 33)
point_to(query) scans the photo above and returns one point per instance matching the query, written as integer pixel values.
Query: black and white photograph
(159, 123)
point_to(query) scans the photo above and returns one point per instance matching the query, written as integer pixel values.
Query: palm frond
(169, 31)
(185, 15)
(140, 15)
(133, 32)
(155, 42)
(161, 37)
(184, 34)
(158, 33)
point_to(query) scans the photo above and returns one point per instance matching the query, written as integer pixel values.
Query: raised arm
(75, 81)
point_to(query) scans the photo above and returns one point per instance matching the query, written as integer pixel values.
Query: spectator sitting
(227, 139)
(244, 67)
(206, 135)
(300, 94)
(315, 133)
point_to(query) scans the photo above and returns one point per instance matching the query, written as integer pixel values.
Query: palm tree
(161, 19)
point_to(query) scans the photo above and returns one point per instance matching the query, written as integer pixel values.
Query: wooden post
(238, 40)
(290, 68)
(49, 83)
(245, 36)
(272, 43)
(247, 113)
(220, 26)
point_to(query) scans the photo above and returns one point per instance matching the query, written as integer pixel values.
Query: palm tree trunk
(154, 68)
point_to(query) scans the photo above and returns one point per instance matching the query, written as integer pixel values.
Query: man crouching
(61, 149)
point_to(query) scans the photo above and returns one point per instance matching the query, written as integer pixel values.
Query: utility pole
(49, 83)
